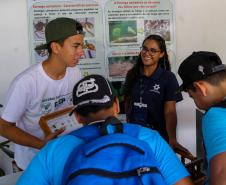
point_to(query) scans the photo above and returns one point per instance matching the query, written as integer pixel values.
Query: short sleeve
(17, 100)
(214, 129)
(171, 87)
(47, 166)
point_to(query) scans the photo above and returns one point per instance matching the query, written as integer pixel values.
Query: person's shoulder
(27, 75)
(215, 114)
(148, 134)
(62, 142)
(168, 74)
(215, 111)
(213, 128)
(29, 71)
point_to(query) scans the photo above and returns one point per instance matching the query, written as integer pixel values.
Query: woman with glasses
(149, 91)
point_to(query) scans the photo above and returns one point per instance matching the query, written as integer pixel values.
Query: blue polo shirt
(148, 97)
(214, 133)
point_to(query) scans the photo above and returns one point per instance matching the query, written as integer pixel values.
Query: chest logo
(155, 88)
(46, 107)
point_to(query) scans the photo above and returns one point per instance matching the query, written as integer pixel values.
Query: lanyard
(142, 87)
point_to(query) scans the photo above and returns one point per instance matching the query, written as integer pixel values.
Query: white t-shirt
(33, 94)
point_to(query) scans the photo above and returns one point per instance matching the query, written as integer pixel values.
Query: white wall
(200, 25)
(14, 54)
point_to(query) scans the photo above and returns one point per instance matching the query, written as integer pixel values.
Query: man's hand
(175, 145)
(52, 136)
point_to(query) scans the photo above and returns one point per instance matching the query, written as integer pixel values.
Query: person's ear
(201, 87)
(55, 47)
(162, 54)
(79, 118)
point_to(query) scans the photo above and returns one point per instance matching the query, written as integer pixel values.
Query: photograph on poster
(39, 28)
(119, 66)
(123, 31)
(89, 49)
(88, 26)
(40, 55)
(159, 27)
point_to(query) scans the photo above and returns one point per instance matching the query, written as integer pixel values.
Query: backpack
(107, 158)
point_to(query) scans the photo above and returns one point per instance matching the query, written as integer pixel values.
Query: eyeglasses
(150, 51)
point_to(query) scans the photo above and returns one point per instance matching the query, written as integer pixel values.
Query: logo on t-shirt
(56, 103)
(46, 107)
(155, 88)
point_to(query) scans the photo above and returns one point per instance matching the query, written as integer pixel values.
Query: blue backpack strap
(113, 140)
(111, 121)
(89, 132)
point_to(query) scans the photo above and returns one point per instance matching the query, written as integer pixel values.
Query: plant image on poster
(123, 31)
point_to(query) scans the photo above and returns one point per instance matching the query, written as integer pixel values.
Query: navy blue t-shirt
(148, 97)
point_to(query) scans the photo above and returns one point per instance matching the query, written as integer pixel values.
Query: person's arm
(218, 169)
(17, 135)
(185, 181)
(171, 124)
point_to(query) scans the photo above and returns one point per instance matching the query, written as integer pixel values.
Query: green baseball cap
(59, 29)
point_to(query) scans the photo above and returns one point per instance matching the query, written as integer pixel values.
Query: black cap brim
(88, 104)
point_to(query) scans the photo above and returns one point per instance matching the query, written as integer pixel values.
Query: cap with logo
(199, 65)
(59, 29)
(92, 90)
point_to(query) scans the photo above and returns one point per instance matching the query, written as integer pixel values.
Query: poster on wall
(114, 30)
(88, 13)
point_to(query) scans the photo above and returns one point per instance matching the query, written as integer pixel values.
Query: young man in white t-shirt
(43, 88)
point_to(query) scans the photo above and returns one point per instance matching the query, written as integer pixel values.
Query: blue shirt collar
(156, 75)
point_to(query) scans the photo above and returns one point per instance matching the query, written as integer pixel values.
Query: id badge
(139, 113)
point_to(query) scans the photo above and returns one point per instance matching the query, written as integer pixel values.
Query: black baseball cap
(60, 28)
(199, 65)
(92, 90)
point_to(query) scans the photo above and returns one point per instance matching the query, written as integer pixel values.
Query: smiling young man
(204, 78)
(42, 88)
